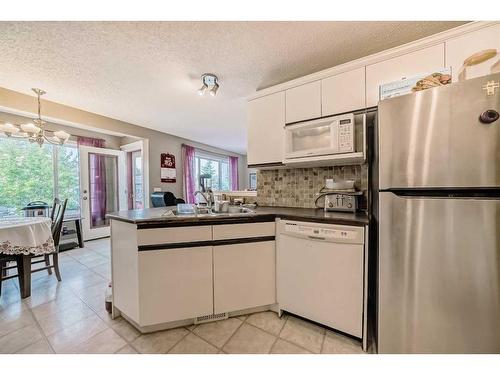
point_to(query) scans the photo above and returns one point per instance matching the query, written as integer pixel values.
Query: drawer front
(158, 236)
(232, 231)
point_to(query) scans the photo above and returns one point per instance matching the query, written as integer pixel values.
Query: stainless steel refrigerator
(438, 220)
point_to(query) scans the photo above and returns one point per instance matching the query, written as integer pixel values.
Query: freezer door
(434, 138)
(439, 275)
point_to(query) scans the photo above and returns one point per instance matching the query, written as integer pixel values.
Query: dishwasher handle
(317, 238)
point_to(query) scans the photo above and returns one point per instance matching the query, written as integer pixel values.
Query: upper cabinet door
(266, 134)
(425, 60)
(343, 93)
(459, 49)
(303, 102)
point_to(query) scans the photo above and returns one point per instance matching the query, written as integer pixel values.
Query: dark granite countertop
(153, 217)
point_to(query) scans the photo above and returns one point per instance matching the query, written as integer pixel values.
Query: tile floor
(69, 317)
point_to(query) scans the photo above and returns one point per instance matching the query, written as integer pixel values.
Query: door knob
(489, 116)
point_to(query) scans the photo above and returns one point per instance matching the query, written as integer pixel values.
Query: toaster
(341, 202)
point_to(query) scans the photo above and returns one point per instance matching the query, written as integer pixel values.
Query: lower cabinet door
(175, 284)
(244, 276)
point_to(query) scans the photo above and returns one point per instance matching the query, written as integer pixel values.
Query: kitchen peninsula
(171, 271)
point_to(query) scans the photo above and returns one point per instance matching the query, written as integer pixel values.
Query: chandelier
(35, 131)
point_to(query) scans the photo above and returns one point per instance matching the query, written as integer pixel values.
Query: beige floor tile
(127, 349)
(68, 337)
(92, 290)
(43, 295)
(14, 317)
(159, 342)
(268, 321)
(284, 347)
(19, 339)
(104, 314)
(96, 303)
(249, 339)
(10, 294)
(302, 333)
(82, 282)
(64, 318)
(339, 344)
(103, 270)
(105, 252)
(105, 342)
(192, 344)
(40, 347)
(217, 333)
(53, 307)
(93, 260)
(242, 317)
(124, 329)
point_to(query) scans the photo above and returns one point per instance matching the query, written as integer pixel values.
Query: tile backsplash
(298, 187)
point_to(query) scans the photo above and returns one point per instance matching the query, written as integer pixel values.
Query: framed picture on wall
(252, 181)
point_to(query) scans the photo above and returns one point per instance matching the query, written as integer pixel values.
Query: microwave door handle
(334, 136)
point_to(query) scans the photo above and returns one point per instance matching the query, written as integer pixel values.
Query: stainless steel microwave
(325, 136)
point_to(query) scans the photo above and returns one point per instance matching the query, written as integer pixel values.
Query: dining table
(22, 238)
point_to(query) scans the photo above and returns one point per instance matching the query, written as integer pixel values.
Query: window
(216, 166)
(29, 173)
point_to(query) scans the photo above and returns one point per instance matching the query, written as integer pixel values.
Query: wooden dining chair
(56, 208)
(56, 228)
(57, 216)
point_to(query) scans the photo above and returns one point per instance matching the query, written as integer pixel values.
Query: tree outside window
(29, 173)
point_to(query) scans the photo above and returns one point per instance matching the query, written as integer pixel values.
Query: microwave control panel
(346, 135)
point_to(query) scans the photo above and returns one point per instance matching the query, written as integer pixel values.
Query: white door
(102, 187)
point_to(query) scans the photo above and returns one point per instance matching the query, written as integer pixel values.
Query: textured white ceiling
(147, 73)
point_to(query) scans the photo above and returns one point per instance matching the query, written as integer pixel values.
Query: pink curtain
(233, 165)
(88, 141)
(188, 164)
(97, 176)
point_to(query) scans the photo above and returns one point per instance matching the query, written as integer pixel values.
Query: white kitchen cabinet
(303, 102)
(460, 48)
(343, 92)
(405, 66)
(266, 121)
(244, 276)
(175, 284)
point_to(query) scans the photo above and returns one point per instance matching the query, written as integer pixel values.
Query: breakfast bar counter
(158, 217)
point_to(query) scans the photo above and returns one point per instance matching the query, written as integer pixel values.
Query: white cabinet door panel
(343, 92)
(460, 48)
(405, 66)
(266, 135)
(175, 284)
(244, 276)
(303, 102)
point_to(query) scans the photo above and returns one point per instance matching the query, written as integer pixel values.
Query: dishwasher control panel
(327, 232)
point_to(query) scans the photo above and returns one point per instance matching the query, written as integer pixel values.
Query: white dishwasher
(320, 273)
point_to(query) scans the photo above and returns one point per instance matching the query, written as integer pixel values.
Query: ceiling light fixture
(210, 83)
(35, 131)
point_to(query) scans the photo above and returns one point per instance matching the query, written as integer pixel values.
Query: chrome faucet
(208, 196)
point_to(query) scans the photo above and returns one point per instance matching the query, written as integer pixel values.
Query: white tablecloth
(26, 235)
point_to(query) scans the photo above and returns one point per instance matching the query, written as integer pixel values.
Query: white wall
(166, 143)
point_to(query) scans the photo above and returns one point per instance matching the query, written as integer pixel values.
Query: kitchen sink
(203, 212)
